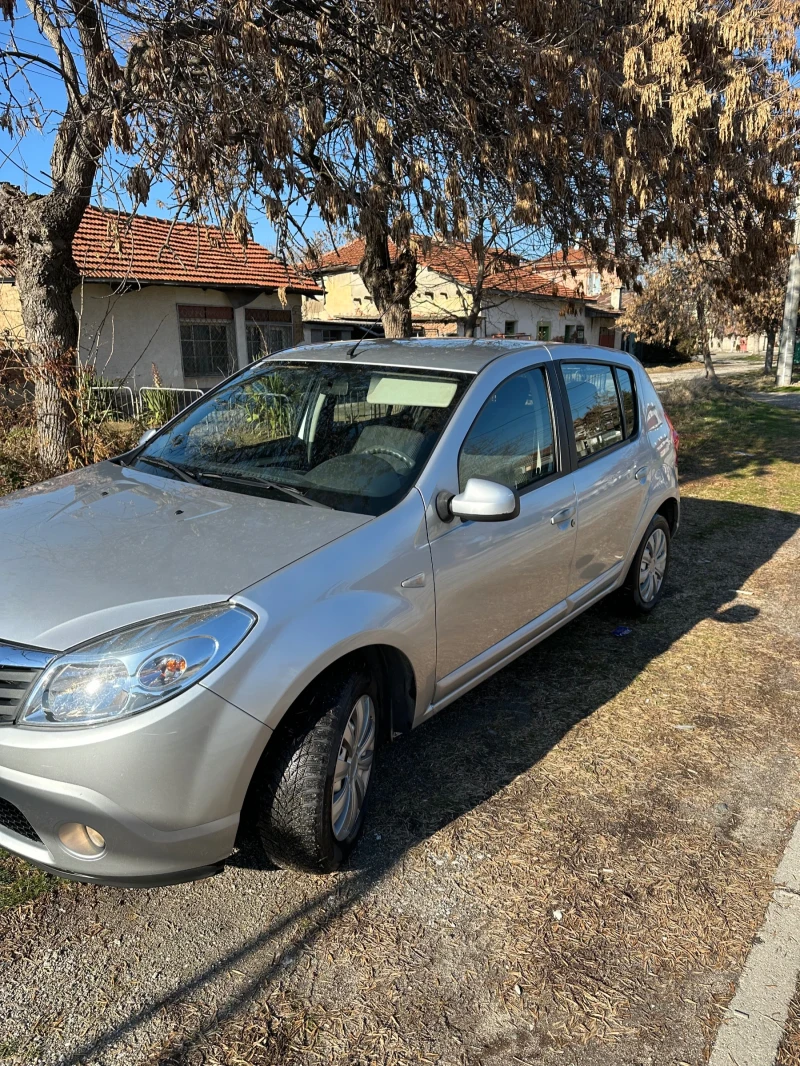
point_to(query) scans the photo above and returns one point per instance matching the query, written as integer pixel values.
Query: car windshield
(346, 436)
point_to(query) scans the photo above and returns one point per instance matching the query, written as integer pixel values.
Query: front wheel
(644, 586)
(318, 777)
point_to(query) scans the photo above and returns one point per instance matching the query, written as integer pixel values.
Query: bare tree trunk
(768, 369)
(476, 300)
(45, 283)
(708, 362)
(390, 282)
(42, 229)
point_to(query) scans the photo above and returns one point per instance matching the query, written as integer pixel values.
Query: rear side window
(511, 441)
(628, 397)
(594, 406)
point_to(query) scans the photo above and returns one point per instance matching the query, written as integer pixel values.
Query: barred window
(208, 342)
(268, 331)
(266, 338)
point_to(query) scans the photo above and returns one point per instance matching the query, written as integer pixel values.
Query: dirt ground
(566, 867)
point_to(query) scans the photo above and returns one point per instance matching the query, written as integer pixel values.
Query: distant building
(517, 299)
(188, 298)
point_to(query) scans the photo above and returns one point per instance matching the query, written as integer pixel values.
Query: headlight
(136, 668)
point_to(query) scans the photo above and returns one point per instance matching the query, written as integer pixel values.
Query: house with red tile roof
(190, 299)
(517, 299)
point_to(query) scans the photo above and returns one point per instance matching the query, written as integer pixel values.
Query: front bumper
(164, 788)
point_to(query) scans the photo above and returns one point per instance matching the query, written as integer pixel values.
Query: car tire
(647, 576)
(314, 776)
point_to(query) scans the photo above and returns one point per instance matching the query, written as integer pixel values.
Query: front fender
(344, 597)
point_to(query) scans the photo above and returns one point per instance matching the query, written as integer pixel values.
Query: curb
(751, 1032)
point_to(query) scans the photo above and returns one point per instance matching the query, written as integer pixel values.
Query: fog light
(81, 839)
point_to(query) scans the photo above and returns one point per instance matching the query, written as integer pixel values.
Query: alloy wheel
(353, 767)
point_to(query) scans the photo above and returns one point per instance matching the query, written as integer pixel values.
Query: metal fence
(114, 401)
(152, 404)
(158, 405)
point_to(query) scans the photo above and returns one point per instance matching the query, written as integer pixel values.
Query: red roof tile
(455, 260)
(114, 247)
(575, 259)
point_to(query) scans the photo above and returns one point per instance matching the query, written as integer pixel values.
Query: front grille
(19, 669)
(12, 818)
(14, 683)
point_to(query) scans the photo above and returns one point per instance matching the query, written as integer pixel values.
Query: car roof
(423, 353)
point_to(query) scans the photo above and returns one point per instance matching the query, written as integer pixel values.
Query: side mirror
(146, 436)
(481, 501)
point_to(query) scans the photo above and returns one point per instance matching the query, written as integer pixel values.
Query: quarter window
(628, 396)
(594, 405)
(511, 441)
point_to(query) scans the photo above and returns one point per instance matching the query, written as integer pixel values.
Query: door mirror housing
(146, 436)
(485, 501)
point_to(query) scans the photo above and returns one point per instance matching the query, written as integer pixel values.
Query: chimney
(616, 298)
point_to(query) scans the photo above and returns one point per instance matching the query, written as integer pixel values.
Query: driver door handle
(564, 516)
(641, 474)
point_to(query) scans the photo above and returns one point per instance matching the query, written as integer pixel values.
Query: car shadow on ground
(485, 740)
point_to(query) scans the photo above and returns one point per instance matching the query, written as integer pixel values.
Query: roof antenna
(351, 354)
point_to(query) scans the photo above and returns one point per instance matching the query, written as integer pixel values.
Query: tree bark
(476, 300)
(768, 357)
(708, 362)
(42, 229)
(391, 282)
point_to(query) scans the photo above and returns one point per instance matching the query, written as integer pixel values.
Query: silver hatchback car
(316, 556)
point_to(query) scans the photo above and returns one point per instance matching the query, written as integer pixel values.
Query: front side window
(594, 405)
(511, 441)
(208, 344)
(346, 436)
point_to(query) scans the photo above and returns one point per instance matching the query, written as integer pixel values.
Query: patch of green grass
(20, 882)
(737, 449)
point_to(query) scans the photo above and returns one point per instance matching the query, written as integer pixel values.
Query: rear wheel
(318, 776)
(644, 586)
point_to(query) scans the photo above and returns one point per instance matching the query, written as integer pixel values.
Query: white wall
(528, 313)
(123, 335)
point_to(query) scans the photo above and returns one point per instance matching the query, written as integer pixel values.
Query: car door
(495, 579)
(610, 458)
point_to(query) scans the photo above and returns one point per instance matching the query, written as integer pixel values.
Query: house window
(574, 335)
(208, 343)
(593, 283)
(543, 331)
(510, 327)
(428, 295)
(267, 331)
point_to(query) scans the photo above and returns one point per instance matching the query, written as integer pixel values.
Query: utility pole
(790, 307)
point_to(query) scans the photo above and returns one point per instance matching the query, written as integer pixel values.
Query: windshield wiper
(263, 483)
(165, 464)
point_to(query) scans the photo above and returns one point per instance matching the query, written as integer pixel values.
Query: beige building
(517, 300)
(187, 299)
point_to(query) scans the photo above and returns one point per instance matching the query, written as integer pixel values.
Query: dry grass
(789, 1051)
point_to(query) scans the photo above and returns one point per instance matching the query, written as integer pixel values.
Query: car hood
(108, 546)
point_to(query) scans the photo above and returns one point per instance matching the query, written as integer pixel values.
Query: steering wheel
(379, 449)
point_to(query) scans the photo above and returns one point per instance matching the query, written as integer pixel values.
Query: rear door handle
(641, 474)
(563, 516)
